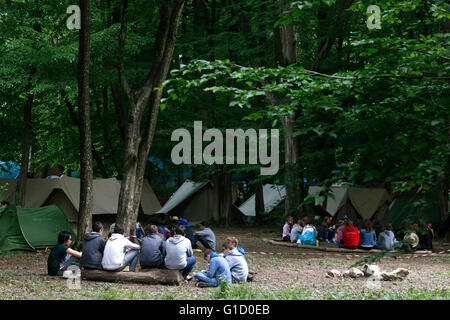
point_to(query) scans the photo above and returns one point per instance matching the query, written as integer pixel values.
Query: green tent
(31, 229)
(423, 207)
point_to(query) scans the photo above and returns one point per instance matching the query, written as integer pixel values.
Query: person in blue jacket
(219, 271)
(367, 236)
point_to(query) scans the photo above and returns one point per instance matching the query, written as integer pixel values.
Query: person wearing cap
(173, 224)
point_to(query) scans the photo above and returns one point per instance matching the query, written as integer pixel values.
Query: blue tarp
(9, 169)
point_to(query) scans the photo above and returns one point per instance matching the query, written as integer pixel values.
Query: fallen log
(147, 276)
(341, 250)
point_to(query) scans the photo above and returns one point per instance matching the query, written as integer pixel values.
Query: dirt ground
(279, 276)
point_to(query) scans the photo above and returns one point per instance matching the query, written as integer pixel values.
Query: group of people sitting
(154, 250)
(346, 235)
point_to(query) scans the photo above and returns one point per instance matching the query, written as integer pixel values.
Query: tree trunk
(442, 195)
(286, 53)
(76, 119)
(226, 201)
(215, 215)
(86, 181)
(259, 199)
(26, 150)
(136, 148)
(147, 276)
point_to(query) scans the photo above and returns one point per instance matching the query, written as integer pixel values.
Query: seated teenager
(152, 248)
(171, 226)
(367, 236)
(309, 233)
(61, 256)
(120, 252)
(219, 271)
(386, 238)
(350, 236)
(188, 230)
(286, 236)
(297, 230)
(93, 247)
(236, 261)
(425, 234)
(206, 236)
(178, 253)
(326, 231)
(235, 242)
(341, 227)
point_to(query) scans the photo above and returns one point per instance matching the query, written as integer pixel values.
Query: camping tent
(30, 229)
(404, 206)
(273, 195)
(355, 203)
(193, 201)
(65, 193)
(332, 205)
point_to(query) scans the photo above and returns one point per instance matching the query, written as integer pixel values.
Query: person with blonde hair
(236, 261)
(235, 242)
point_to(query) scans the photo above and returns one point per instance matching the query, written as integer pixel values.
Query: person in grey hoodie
(297, 230)
(206, 236)
(386, 238)
(236, 261)
(178, 253)
(120, 252)
(93, 247)
(152, 247)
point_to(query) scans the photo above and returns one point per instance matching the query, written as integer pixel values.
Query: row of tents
(52, 204)
(65, 193)
(195, 202)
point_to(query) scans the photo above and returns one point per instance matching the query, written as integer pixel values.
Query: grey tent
(355, 203)
(65, 193)
(193, 201)
(273, 195)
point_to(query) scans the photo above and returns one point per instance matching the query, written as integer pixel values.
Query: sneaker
(202, 284)
(189, 278)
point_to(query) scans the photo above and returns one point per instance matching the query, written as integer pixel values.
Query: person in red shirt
(350, 236)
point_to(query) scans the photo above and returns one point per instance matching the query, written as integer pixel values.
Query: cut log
(147, 276)
(341, 250)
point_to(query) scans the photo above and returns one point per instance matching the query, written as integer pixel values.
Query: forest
(359, 97)
(342, 104)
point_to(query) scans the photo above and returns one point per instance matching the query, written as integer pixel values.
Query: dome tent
(31, 229)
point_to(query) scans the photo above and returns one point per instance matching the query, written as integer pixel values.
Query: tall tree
(137, 146)
(286, 54)
(86, 182)
(26, 147)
